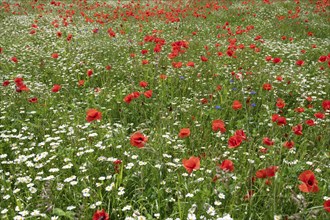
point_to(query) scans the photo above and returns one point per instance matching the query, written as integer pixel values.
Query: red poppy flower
(69, 37)
(5, 83)
(230, 53)
(261, 174)
(326, 105)
(267, 87)
(275, 117)
(280, 103)
(279, 78)
(162, 76)
(204, 59)
(158, 48)
(204, 101)
(268, 172)
(281, 121)
(191, 64)
(268, 141)
(138, 140)
(143, 52)
(277, 60)
(218, 125)
(143, 84)
(14, 59)
(108, 67)
(92, 115)
(240, 133)
(237, 105)
(326, 205)
(299, 109)
(184, 132)
(33, 100)
(128, 98)
(288, 144)
(300, 62)
(319, 115)
(18, 81)
(136, 94)
(322, 59)
(227, 165)
(144, 62)
(81, 82)
(22, 87)
(297, 129)
(148, 94)
(310, 122)
(101, 215)
(234, 141)
(309, 182)
(177, 64)
(89, 72)
(56, 88)
(271, 171)
(193, 163)
(55, 55)
(268, 58)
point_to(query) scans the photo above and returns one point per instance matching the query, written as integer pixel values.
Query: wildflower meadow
(165, 109)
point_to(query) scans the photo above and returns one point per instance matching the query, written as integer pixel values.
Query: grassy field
(153, 109)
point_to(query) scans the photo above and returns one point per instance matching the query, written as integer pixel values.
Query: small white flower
(221, 196)
(277, 217)
(35, 213)
(211, 211)
(110, 187)
(225, 217)
(6, 197)
(33, 190)
(217, 203)
(191, 216)
(24, 213)
(126, 208)
(4, 211)
(69, 208)
(85, 192)
(189, 195)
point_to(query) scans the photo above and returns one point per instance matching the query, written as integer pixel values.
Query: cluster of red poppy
(237, 139)
(134, 95)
